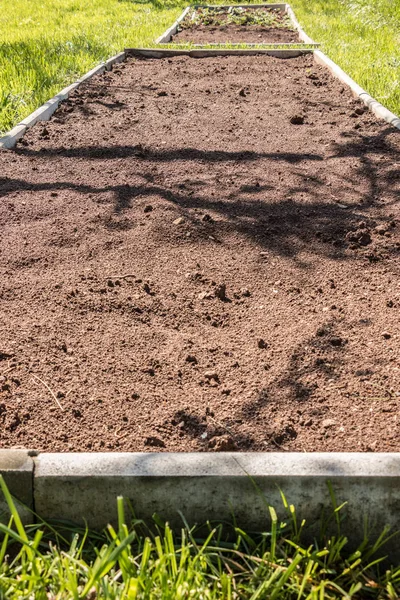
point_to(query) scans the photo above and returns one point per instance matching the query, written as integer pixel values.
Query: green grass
(46, 45)
(237, 16)
(61, 562)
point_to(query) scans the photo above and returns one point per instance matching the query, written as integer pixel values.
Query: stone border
(209, 52)
(44, 112)
(167, 35)
(208, 486)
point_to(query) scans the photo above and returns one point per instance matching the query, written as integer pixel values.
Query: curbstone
(209, 52)
(16, 466)
(96, 71)
(216, 486)
(11, 138)
(166, 36)
(376, 107)
(302, 34)
(64, 94)
(43, 113)
(118, 58)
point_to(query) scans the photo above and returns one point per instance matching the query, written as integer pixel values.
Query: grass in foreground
(56, 563)
(45, 46)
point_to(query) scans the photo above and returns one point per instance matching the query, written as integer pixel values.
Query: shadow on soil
(282, 218)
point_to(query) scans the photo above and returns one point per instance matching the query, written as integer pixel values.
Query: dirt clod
(297, 120)
(220, 292)
(223, 443)
(154, 441)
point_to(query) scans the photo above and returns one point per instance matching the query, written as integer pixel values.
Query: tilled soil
(219, 26)
(202, 254)
(224, 34)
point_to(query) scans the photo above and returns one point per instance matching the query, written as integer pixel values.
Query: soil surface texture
(217, 28)
(224, 34)
(202, 254)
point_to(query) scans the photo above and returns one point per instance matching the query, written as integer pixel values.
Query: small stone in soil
(245, 292)
(179, 221)
(242, 92)
(327, 423)
(386, 335)
(148, 208)
(162, 93)
(205, 296)
(262, 344)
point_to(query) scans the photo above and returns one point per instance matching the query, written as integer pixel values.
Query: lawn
(44, 46)
(134, 561)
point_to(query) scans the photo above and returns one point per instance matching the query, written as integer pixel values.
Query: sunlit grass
(48, 44)
(132, 561)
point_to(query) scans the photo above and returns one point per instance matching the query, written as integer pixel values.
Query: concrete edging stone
(210, 52)
(209, 486)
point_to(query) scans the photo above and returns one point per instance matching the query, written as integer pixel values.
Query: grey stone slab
(16, 466)
(166, 36)
(65, 93)
(118, 58)
(216, 486)
(43, 113)
(96, 71)
(302, 34)
(207, 52)
(9, 140)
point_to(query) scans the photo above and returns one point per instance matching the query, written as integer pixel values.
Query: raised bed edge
(209, 52)
(208, 486)
(166, 36)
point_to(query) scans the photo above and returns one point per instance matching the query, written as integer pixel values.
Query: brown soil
(202, 255)
(203, 34)
(219, 30)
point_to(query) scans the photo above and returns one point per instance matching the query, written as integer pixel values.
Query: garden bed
(237, 24)
(202, 255)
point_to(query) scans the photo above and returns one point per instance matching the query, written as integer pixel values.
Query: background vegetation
(46, 45)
